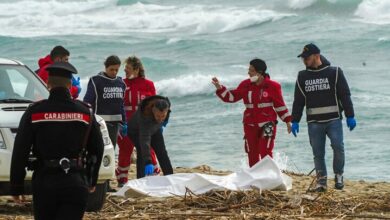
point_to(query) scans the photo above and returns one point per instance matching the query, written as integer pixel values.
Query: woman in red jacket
(137, 89)
(263, 101)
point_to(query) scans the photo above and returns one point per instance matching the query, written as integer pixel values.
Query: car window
(19, 83)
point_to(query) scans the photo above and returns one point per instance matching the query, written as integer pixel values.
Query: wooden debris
(369, 202)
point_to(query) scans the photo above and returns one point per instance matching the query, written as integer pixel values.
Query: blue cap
(309, 50)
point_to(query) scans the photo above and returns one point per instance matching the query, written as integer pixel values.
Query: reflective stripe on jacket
(324, 92)
(263, 102)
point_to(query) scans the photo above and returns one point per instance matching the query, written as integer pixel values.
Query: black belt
(64, 163)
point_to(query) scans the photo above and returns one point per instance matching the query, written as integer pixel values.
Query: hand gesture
(215, 81)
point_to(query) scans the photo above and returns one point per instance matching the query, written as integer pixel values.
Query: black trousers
(113, 129)
(158, 145)
(59, 196)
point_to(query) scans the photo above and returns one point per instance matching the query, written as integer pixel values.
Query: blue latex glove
(149, 169)
(76, 82)
(295, 128)
(124, 129)
(351, 123)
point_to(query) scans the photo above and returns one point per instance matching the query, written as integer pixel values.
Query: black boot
(319, 188)
(110, 189)
(339, 181)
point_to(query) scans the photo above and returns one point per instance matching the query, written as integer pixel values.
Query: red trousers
(126, 148)
(257, 146)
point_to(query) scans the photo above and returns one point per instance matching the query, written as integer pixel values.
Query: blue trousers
(317, 135)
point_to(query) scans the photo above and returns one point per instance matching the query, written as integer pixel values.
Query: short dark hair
(161, 104)
(259, 65)
(58, 51)
(112, 60)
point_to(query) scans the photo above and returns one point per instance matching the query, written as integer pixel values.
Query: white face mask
(254, 78)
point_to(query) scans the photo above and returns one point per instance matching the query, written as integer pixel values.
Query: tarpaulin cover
(265, 175)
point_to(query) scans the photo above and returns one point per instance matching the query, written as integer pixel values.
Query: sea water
(183, 44)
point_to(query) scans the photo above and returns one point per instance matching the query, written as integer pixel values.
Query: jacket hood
(325, 62)
(45, 61)
(104, 74)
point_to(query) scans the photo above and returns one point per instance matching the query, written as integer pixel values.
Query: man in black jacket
(62, 134)
(324, 91)
(145, 130)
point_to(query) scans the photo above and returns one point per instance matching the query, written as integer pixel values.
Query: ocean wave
(224, 20)
(383, 39)
(108, 17)
(200, 84)
(194, 84)
(300, 4)
(325, 6)
(173, 40)
(374, 12)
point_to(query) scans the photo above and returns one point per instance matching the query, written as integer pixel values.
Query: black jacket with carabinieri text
(53, 129)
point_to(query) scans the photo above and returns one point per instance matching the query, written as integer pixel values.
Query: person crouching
(144, 129)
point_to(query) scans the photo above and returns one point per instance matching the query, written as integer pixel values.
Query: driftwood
(249, 204)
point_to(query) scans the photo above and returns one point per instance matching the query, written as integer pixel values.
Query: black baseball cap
(62, 69)
(308, 50)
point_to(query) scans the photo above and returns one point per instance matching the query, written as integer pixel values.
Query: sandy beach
(359, 200)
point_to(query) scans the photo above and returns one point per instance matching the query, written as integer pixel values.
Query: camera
(268, 130)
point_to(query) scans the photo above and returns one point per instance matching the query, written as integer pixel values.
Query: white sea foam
(194, 84)
(173, 40)
(105, 17)
(300, 4)
(383, 39)
(200, 84)
(374, 11)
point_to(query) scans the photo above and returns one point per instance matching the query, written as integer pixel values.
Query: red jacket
(43, 63)
(136, 90)
(44, 75)
(263, 102)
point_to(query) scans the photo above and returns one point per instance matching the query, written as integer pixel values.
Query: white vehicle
(19, 87)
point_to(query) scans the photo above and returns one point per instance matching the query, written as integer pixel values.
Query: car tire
(96, 199)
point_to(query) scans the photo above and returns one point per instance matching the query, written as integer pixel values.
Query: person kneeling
(144, 129)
